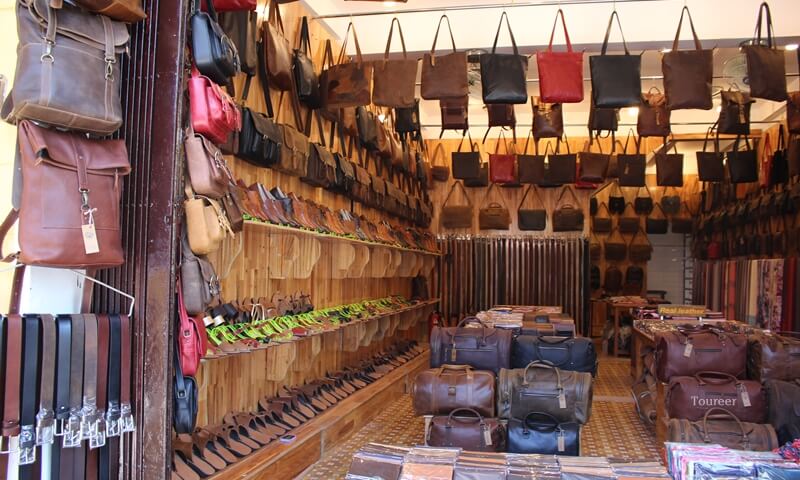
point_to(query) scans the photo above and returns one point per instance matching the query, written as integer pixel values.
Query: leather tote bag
(214, 114)
(540, 387)
(669, 167)
(541, 433)
(721, 427)
(575, 354)
(52, 44)
(259, 140)
(483, 348)
(656, 223)
(688, 74)
(775, 357)
(444, 76)
(742, 164)
(502, 166)
(593, 165)
(691, 397)
(440, 171)
(793, 112)
(348, 83)
(466, 165)
(208, 171)
(69, 206)
(568, 215)
(683, 222)
(533, 218)
(454, 114)
(560, 168)
(439, 391)
(214, 54)
(456, 216)
(199, 281)
(394, 80)
(629, 222)
(602, 119)
(631, 167)
(687, 351)
(129, 11)
(493, 216)
(547, 119)
(734, 114)
(306, 79)
(711, 165)
(643, 205)
(766, 66)
(614, 247)
(601, 222)
(482, 180)
(276, 50)
(616, 79)
(616, 199)
(467, 429)
(503, 74)
(640, 250)
(653, 119)
(530, 168)
(560, 73)
(242, 28)
(784, 408)
(779, 170)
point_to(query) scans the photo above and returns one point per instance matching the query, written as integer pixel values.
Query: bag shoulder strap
(437, 152)
(564, 190)
(489, 192)
(510, 33)
(603, 206)
(452, 189)
(343, 52)
(642, 239)
(468, 135)
(274, 15)
(770, 36)
(697, 45)
(305, 40)
(566, 33)
(535, 190)
(608, 32)
(389, 40)
(436, 36)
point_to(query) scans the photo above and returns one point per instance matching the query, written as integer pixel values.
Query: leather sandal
(200, 449)
(246, 426)
(230, 442)
(214, 444)
(182, 469)
(281, 412)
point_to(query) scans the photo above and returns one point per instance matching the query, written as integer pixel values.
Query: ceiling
(649, 26)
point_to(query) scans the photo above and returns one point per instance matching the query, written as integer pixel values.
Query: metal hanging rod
(583, 125)
(644, 77)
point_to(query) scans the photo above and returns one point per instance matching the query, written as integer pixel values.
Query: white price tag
(487, 436)
(561, 444)
(90, 244)
(562, 400)
(687, 351)
(745, 396)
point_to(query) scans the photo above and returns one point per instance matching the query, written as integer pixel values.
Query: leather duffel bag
(441, 390)
(544, 388)
(721, 427)
(784, 408)
(483, 348)
(573, 354)
(773, 357)
(691, 397)
(687, 351)
(471, 432)
(540, 432)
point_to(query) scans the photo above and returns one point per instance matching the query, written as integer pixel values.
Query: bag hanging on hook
(454, 113)
(657, 222)
(616, 199)
(688, 74)
(669, 167)
(394, 80)
(531, 167)
(643, 205)
(629, 222)
(711, 165)
(466, 165)
(631, 166)
(560, 73)
(653, 118)
(560, 168)
(503, 167)
(348, 83)
(568, 216)
(742, 164)
(670, 204)
(532, 219)
(456, 216)
(493, 216)
(602, 223)
(766, 66)
(616, 79)
(734, 114)
(503, 74)
(444, 76)
(615, 249)
(593, 165)
(548, 121)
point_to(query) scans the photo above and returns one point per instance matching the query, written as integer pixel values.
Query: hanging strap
(548, 146)
(437, 152)
(469, 136)
(608, 32)
(452, 189)
(510, 33)
(646, 189)
(436, 36)
(572, 194)
(505, 143)
(566, 33)
(489, 192)
(697, 45)
(535, 193)
(274, 15)
(770, 38)
(343, 52)
(305, 39)
(389, 40)
(604, 206)
(527, 141)
(712, 128)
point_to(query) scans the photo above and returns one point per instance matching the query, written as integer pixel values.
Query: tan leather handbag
(456, 216)
(347, 84)
(277, 52)
(394, 80)
(444, 76)
(129, 11)
(207, 168)
(294, 152)
(206, 223)
(494, 216)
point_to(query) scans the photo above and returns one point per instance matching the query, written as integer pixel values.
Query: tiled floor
(614, 429)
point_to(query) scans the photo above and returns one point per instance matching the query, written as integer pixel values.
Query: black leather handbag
(631, 168)
(259, 140)
(214, 54)
(367, 129)
(531, 219)
(503, 74)
(616, 79)
(466, 165)
(542, 433)
(576, 354)
(184, 400)
(242, 28)
(711, 165)
(742, 164)
(734, 113)
(406, 119)
(306, 79)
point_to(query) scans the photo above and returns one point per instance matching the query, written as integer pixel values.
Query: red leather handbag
(192, 340)
(560, 73)
(714, 250)
(234, 5)
(502, 166)
(214, 113)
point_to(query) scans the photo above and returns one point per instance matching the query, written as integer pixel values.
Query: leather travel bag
(199, 281)
(483, 348)
(208, 171)
(568, 215)
(129, 11)
(721, 427)
(439, 391)
(213, 53)
(494, 216)
(560, 73)
(766, 64)
(539, 387)
(69, 208)
(690, 398)
(541, 433)
(773, 357)
(616, 79)
(784, 408)
(394, 80)
(686, 351)
(742, 164)
(532, 219)
(572, 354)
(59, 49)
(347, 84)
(503, 74)
(467, 429)
(466, 165)
(444, 76)
(688, 74)
(456, 216)
(260, 139)
(214, 114)
(711, 165)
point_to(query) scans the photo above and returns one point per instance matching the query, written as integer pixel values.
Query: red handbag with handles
(502, 167)
(191, 338)
(560, 73)
(214, 113)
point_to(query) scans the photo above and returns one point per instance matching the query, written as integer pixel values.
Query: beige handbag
(208, 171)
(206, 223)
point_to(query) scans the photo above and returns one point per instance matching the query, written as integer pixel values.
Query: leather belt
(71, 431)
(126, 411)
(30, 367)
(90, 421)
(109, 455)
(45, 419)
(93, 458)
(11, 413)
(63, 352)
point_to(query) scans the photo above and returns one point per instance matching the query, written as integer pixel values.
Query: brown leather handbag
(629, 222)
(456, 216)
(614, 247)
(206, 223)
(439, 391)
(568, 214)
(773, 357)
(560, 168)
(455, 114)
(766, 66)
(466, 165)
(439, 169)
(593, 165)
(691, 397)
(734, 114)
(548, 121)
(394, 80)
(347, 84)
(294, 152)
(530, 168)
(484, 348)
(601, 222)
(69, 208)
(687, 350)
(465, 428)
(687, 73)
(640, 250)
(653, 119)
(208, 171)
(669, 167)
(200, 283)
(793, 112)
(129, 11)
(494, 216)
(444, 76)
(631, 166)
(720, 426)
(277, 51)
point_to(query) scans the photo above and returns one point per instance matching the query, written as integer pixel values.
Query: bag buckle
(110, 61)
(47, 56)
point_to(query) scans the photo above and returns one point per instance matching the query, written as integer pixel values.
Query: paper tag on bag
(562, 400)
(487, 436)
(90, 244)
(687, 351)
(561, 443)
(745, 396)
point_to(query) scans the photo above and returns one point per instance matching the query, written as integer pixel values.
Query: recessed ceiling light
(633, 111)
(791, 46)
(666, 50)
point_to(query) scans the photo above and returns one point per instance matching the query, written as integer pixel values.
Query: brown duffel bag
(719, 426)
(687, 351)
(773, 357)
(471, 432)
(483, 348)
(690, 398)
(784, 408)
(441, 390)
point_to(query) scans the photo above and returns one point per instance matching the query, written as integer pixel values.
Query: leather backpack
(454, 114)
(503, 74)
(616, 79)
(444, 76)
(531, 219)
(494, 216)
(653, 118)
(547, 119)
(568, 214)
(347, 84)
(766, 66)
(456, 216)
(394, 80)
(734, 114)
(560, 73)
(688, 74)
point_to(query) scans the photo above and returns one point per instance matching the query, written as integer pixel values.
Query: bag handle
(566, 33)
(615, 188)
(552, 423)
(527, 141)
(548, 145)
(343, 52)
(608, 32)
(441, 370)
(615, 232)
(646, 189)
(452, 189)
(564, 190)
(728, 414)
(757, 35)
(510, 33)
(436, 37)
(505, 143)
(712, 128)
(697, 45)
(713, 378)
(643, 238)
(469, 136)
(630, 134)
(543, 365)
(451, 418)
(587, 146)
(603, 205)
(274, 15)
(657, 205)
(565, 142)
(389, 40)
(437, 152)
(535, 190)
(486, 198)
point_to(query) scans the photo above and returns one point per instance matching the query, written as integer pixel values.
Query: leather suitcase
(784, 408)
(719, 426)
(687, 351)
(465, 428)
(773, 357)
(542, 433)
(691, 397)
(539, 387)
(574, 354)
(439, 391)
(483, 348)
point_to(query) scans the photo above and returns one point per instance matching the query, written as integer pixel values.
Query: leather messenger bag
(720, 426)
(439, 391)
(687, 351)
(692, 397)
(484, 348)
(774, 357)
(574, 354)
(465, 428)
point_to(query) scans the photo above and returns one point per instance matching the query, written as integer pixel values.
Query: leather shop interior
(359, 239)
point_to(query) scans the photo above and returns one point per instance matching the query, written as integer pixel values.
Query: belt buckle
(10, 442)
(112, 420)
(45, 427)
(98, 438)
(126, 421)
(72, 430)
(27, 445)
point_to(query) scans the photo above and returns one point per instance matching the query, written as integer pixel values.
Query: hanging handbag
(793, 112)
(260, 139)
(500, 115)
(602, 224)
(233, 205)
(199, 282)
(466, 165)
(567, 216)
(59, 49)
(530, 168)
(688, 74)
(276, 50)
(616, 79)
(541, 433)
(634, 280)
(502, 167)
(213, 53)
(407, 120)
(595, 254)
(440, 172)
(184, 401)
(643, 205)
(347, 84)
(616, 199)
(602, 120)
(208, 171)
(214, 114)
(456, 216)
(742, 164)
(191, 342)
(653, 118)
(670, 204)
(494, 216)
(394, 80)
(466, 429)
(560, 168)
(241, 27)
(367, 129)
(444, 76)
(454, 114)
(532, 219)
(206, 223)
(129, 11)
(631, 167)
(630, 221)
(503, 74)
(779, 171)
(321, 167)
(734, 114)
(656, 223)
(710, 165)
(766, 66)
(640, 249)
(295, 150)
(669, 167)
(612, 280)
(306, 80)
(560, 73)
(593, 166)
(482, 180)
(547, 119)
